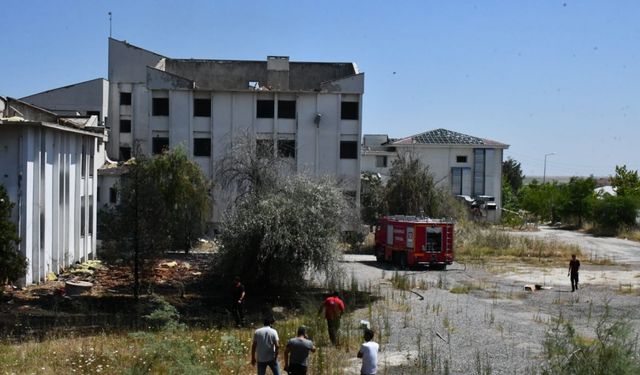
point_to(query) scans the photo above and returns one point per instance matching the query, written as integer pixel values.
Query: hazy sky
(541, 76)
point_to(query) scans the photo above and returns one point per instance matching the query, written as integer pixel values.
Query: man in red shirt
(333, 310)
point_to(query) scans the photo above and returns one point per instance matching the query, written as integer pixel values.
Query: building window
(98, 194)
(264, 109)
(286, 109)
(90, 227)
(125, 98)
(264, 148)
(202, 107)
(160, 145)
(202, 147)
(350, 111)
(83, 220)
(160, 107)
(287, 148)
(125, 153)
(113, 195)
(348, 150)
(381, 161)
(125, 126)
(83, 164)
(461, 159)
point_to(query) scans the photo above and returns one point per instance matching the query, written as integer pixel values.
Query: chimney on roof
(278, 72)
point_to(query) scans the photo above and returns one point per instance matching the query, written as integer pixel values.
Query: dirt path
(491, 323)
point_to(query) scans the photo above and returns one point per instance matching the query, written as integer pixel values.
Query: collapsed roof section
(17, 112)
(277, 73)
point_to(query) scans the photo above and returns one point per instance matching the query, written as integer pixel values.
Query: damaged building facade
(49, 168)
(309, 112)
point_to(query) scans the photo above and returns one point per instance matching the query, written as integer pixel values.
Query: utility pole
(544, 173)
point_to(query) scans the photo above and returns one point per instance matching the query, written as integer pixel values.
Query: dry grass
(193, 351)
(474, 243)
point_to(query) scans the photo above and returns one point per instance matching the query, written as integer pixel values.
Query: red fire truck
(410, 240)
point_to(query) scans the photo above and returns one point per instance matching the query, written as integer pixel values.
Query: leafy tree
(578, 198)
(626, 182)
(611, 213)
(12, 264)
(512, 174)
(272, 238)
(164, 202)
(372, 203)
(542, 200)
(411, 189)
(281, 224)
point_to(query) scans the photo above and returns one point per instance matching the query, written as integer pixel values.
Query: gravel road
(492, 323)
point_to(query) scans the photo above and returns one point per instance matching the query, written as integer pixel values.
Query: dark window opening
(160, 145)
(83, 155)
(348, 150)
(461, 159)
(83, 220)
(264, 148)
(98, 194)
(202, 107)
(264, 109)
(125, 126)
(202, 147)
(125, 98)
(350, 111)
(286, 109)
(381, 161)
(90, 227)
(287, 148)
(160, 107)
(113, 195)
(125, 153)
(94, 113)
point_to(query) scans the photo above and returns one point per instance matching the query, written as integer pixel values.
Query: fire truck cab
(409, 240)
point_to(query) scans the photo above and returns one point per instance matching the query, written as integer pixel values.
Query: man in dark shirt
(237, 301)
(574, 266)
(296, 354)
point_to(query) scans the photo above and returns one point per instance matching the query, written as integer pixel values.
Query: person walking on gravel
(574, 266)
(333, 309)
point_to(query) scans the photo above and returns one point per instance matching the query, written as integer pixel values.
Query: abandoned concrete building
(49, 166)
(310, 112)
(470, 166)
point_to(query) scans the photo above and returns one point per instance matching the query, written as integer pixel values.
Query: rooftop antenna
(109, 24)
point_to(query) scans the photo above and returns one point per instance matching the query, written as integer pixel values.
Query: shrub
(12, 264)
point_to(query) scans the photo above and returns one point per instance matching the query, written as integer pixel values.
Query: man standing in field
(574, 266)
(237, 301)
(296, 354)
(264, 350)
(333, 310)
(369, 354)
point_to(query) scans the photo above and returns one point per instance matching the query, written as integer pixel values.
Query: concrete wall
(80, 97)
(55, 199)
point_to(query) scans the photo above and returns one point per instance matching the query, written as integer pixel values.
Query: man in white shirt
(369, 354)
(264, 350)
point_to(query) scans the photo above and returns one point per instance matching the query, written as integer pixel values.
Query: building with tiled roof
(470, 166)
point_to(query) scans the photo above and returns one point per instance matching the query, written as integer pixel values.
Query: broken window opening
(264, 108)
(350, 111)
(202, 147)
(287, 148)
(125, 126)
(160, 145)
(348, 150)
(286, 109)
(160, 107)
(201, 107)
(125, 98)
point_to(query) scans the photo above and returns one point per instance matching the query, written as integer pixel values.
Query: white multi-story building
(310, 112)
(470, 166)
(48, 167)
